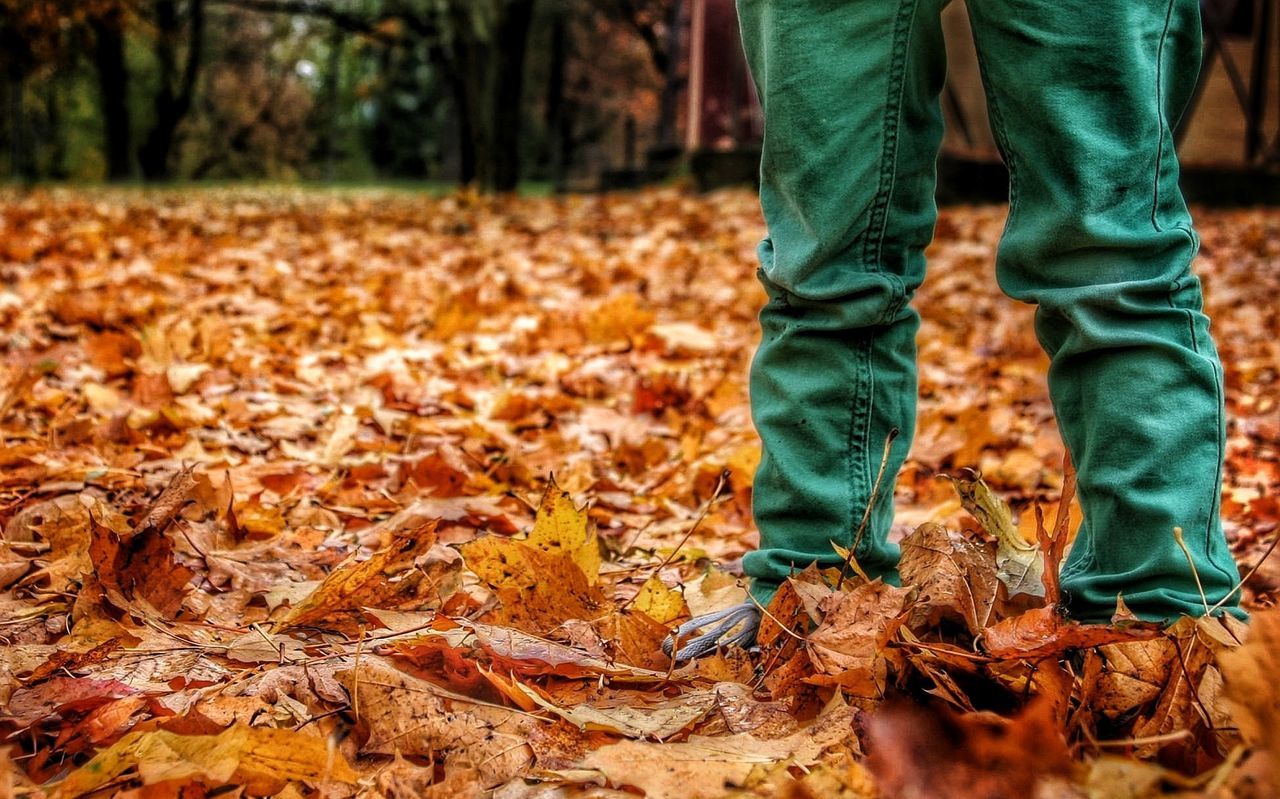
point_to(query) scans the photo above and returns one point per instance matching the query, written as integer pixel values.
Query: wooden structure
(1232, 127)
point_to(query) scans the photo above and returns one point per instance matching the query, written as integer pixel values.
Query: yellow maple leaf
(562, 527)
(658, 602)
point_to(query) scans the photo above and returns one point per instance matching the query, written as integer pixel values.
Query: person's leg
(852, 126)
(1082, 98)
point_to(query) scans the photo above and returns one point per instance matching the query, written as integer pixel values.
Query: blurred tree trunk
(17, 61)
(21, 152)
(554, 155)
(113, 87)
(328, 144)
(54, 133)
(486, 78)
(172, 102)
(672, 82)
(501, 169)
(460, 90)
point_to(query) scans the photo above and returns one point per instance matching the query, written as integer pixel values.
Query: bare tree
(178, 77)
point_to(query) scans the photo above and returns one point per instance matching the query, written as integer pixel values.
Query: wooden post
(697, 62)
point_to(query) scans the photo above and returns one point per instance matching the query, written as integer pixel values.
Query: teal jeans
(1083, 96)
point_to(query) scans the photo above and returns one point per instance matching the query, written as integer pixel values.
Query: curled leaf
(1019, 563)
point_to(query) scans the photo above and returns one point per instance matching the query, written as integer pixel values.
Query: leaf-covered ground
(268, 476)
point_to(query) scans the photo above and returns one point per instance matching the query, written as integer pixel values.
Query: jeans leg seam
(858, 459)
(1160, 120)
(998, 128)
(858, 466)
(873, 245)
(1215, 499)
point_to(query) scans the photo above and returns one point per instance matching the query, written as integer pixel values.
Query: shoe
(735, 625)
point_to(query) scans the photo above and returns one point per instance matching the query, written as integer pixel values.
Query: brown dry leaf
(954, 575)
(845, 778)
(742, 712)
(254, 519)
(48, 700)
(71, 661)
(13, 566)
(1114, 777)
(784, 626)
(401, 779)
(1042, 633)
(658, 721)
(918, 754)
(813, 591)
(1250, 673)
(261, 759)
(259, 646)
(137, 569)
(1136, 673)
(714, 590)
(1180, 707)
(632, 638)
(458, 783)
(560, 745)
(849, 647)
(111, 351)
(404, 714)
(709, 766)
(17, 386)
(548, 578)
(396, 577)
(181, 491)
(509, 649)
(63, 524)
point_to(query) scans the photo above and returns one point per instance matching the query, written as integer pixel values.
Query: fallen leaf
(1136, 672)
(261, 759)
(1115, 777)
(137, 569)
(394, 577)
(954, 575)
(659, 602)
(537, 590)
(412, 716)
(704, 766)
(1042, 633)
(180, 492)
(742, 712)
(1019, 564)
(45, 701)
(562, 527)
(633, 638)
(655, 721)
(850, 645)
(1180, 708)
(1250, 673)
(916, 753)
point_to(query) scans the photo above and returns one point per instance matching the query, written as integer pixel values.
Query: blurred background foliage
(561, 94)
(483, 91)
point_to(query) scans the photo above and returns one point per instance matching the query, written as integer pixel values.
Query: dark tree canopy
(489, 92)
